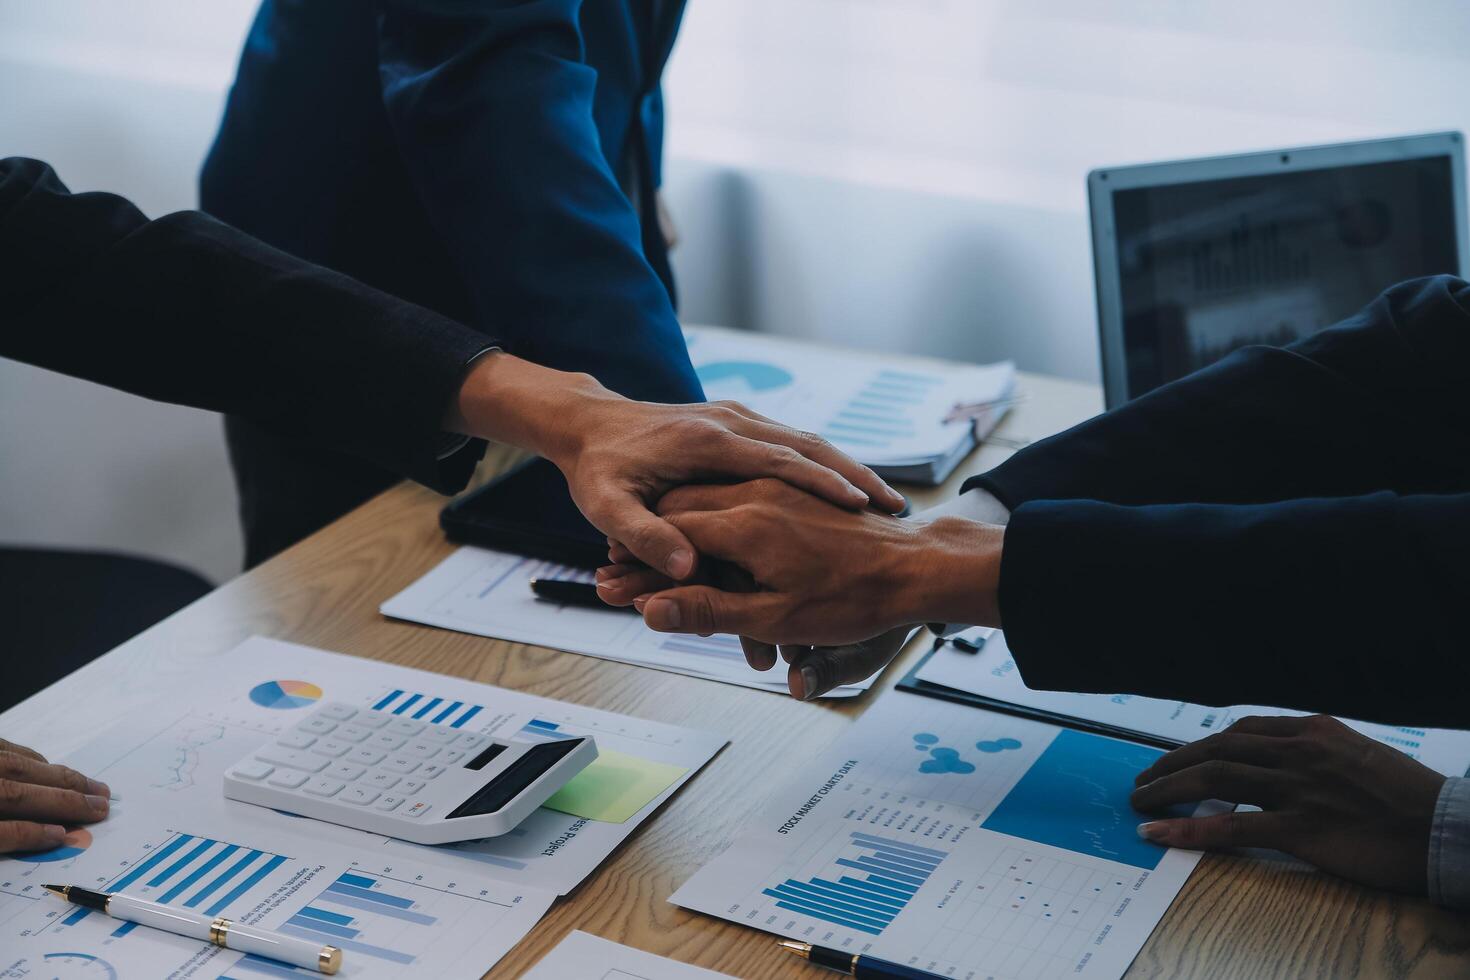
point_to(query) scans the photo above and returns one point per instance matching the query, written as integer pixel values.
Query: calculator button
(388, 803)
(338, 712)
(439, 733)
(371, 719)
(421, 750)
(292, 759)
(296, 740)
(381, 780)
(450, 758)
(386, 740)
(410, 786)
(418, 809)
(359, 795)
(430, 771)
(331, 748)
(401, 765)
(365, 756)
(469, 741)
(405, 726)
(253, 770)
(288, 779)
(322, 786)
(345, 770)
(352, 733)
(317, 725)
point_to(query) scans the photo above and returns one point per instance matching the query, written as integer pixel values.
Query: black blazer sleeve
(186, 309)
(1288, 527)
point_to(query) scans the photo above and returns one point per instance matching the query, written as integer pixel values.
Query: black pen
(856, 964)
(571, 593)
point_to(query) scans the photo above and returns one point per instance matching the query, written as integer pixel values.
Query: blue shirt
(467, 157)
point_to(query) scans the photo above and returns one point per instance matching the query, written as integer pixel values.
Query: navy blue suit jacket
(1290, 526)
(465, 156)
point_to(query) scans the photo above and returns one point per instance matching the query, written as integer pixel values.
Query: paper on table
(488, 593)
(958, 841)
(863, 404)
(201, 723)
(175, 839)
(581, 956)
(992, 673)
(614, 787)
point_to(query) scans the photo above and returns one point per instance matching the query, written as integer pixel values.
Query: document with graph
(488, 593)
(958, 841)
(166, 763)
(898, 415)
(387, 915)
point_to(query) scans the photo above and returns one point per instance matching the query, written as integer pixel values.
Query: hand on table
(821, 575)
(1347, 804)
(620, 456)
(36, 798)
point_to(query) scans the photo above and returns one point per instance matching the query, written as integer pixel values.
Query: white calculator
(394, 775)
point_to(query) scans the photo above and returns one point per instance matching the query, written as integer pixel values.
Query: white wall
(910, 174)
(902, 174)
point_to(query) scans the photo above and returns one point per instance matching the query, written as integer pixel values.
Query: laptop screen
(1210, 266)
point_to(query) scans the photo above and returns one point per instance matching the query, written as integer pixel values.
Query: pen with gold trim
(856, 964)
(214, 929)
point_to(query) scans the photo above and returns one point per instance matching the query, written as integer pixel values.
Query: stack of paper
(488, 593)
(893, 417)
(395, 908)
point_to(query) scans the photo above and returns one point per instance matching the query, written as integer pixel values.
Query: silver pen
(214, 929)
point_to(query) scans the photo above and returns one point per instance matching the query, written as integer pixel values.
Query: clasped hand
(833, 591)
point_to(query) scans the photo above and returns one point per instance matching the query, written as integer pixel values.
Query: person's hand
(619, 456)
(1328, 795)
(36, 798)
(821, 574)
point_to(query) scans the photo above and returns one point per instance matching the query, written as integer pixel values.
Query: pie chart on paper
(744, 376)
(285, 694)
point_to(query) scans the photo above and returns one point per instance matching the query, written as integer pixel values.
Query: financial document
(898, 418)
(992, 673)
(582, 956)
(958, 841)
(488, 593)
(387, 915)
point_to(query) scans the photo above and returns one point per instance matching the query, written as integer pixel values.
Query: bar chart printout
(387, 919)
(195, 873)
(866, 889)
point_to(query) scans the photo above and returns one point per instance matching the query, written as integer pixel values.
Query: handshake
(804, 558)
(833, 590)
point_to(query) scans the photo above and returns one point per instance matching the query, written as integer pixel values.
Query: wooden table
(1250, 917)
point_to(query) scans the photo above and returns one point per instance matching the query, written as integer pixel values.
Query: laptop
(1196, 258)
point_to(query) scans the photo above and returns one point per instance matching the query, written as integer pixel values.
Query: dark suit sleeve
(1327, 567)
(1377, 402)
(491, 105)
(185, 309)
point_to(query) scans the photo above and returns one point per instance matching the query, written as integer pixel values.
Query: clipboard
(911, 683)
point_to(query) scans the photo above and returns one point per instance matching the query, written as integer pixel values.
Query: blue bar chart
(424, 707)
(719, 646)
(360, 914)
(867, 887)
(191, 872)
(882, 410)
(539, 730)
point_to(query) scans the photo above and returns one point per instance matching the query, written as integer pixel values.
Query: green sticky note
(614, 787)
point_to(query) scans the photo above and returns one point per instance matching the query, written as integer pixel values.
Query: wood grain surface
(1247, 916)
